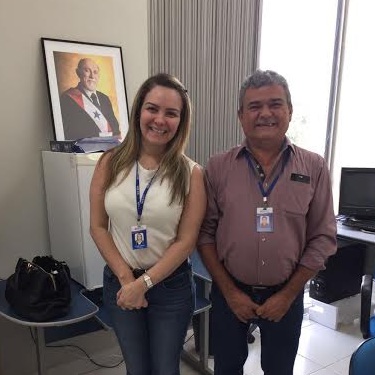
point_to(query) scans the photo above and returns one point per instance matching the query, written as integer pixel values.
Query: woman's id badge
(264, 219)
(139, 237)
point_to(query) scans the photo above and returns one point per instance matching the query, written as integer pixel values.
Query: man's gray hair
(82, 62)
(263, 78)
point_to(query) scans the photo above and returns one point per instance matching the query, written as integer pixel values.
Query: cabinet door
(93, 262)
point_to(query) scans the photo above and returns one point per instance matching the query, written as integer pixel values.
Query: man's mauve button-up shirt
(304, 225)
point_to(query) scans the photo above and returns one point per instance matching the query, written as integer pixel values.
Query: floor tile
(323, 371)
(252, 364)
(120, 370)
(304, 366)
(187, 370)
(326, 346)
(306, 321)
(322, 351)
(341, 367)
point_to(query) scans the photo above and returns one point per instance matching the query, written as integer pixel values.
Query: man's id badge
(139, 237)
(264, 219)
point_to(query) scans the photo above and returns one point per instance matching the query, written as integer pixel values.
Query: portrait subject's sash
(95, 113)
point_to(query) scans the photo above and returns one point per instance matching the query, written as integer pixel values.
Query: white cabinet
(67, 179)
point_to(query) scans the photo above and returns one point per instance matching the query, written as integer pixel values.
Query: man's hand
(241, 305)
(132, 295)
(275, 307)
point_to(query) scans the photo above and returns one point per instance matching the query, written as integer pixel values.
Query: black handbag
(39, 290)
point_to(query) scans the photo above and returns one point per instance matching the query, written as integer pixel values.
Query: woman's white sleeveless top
(160, 218)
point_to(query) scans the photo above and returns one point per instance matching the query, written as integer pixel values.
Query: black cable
(79, 348)
(86, 354)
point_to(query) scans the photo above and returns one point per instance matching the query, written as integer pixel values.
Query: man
(264, 221)
(85, 111)
(259, 276)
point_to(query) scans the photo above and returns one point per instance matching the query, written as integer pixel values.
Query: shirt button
(263, 239)
(266, 184)
(262, 175)
(258, 166)
(263, 263)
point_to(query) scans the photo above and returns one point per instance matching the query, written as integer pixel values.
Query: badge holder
(139, 237)
(264, 219)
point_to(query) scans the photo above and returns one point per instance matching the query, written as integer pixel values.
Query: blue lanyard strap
(141, 201)
(266, 193)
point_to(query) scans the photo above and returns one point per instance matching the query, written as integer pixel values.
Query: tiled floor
(322, 351)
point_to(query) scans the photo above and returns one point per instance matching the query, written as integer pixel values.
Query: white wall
(26, 125)
(25, 121)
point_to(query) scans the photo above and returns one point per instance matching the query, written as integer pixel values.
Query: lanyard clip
(265, 202)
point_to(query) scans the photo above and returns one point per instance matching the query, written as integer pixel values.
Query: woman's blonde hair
(174, 165)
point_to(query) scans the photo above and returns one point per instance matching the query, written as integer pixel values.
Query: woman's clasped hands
(132, 295)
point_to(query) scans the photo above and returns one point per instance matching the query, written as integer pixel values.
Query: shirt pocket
(297, 200)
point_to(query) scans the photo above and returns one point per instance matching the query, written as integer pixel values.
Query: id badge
(264, 219)
(139, 237)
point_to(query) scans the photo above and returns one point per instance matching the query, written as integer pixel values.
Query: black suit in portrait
(76, 121)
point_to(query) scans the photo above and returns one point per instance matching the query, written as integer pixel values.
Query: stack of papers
(95, 144)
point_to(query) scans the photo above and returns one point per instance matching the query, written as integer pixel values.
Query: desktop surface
(366, 225)
(355, 234)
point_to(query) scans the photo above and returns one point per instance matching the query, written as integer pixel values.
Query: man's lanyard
(141, 201)
(266, 193)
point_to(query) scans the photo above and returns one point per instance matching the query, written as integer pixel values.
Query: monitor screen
(357, 193)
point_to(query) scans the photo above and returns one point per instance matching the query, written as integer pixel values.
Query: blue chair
(362, 361)
(201, 275)
(367, 320)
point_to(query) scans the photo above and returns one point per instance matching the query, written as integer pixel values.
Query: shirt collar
(87, 92)
(244, 148)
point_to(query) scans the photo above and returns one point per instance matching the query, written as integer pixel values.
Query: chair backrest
(362, 361)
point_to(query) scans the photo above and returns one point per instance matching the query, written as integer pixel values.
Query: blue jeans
(151, 339)
(279, 341)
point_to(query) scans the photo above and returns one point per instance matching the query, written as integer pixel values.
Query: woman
(148, 186)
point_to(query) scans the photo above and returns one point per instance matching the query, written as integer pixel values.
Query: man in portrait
(87, 112)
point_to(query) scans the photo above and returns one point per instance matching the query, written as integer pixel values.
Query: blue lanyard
(266, 193)
(141, 202)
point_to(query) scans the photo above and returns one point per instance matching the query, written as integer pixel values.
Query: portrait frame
(61, 58)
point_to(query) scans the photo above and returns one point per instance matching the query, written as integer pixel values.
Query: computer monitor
(357, 193)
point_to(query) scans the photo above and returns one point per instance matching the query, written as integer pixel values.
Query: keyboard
(365, 225)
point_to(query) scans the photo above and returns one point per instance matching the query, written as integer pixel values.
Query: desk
(343, 308)
(81, 309)
(355, 235)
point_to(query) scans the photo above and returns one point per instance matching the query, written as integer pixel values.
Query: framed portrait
(87, 89)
